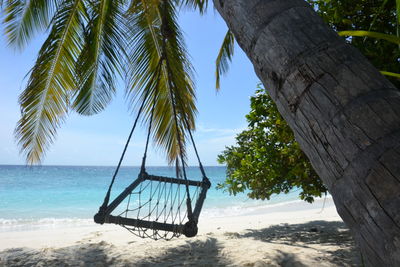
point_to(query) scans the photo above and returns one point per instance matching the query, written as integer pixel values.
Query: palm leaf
(160, 68)
(24, 18)
(200, 5)
(224, 57)
(101, 58)
(44, 102)
(376, 35)
(392, 74)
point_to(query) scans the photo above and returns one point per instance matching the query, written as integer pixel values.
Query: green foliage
(267, 160)
(379, 16)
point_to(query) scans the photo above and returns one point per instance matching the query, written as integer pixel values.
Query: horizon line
(61, 165)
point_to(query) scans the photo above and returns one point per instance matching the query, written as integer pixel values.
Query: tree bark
(344, 113)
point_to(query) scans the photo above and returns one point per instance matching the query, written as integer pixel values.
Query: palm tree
(90, 44)
(344, 113)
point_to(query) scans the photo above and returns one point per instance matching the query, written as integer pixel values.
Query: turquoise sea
(54, 196)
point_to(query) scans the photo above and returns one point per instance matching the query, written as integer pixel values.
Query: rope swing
(155, 206)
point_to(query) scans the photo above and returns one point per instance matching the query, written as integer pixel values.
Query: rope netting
(156, 202)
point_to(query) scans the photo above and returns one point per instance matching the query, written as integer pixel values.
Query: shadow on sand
(331, 241)
(79, 255)
(191, 253)
(305, 235)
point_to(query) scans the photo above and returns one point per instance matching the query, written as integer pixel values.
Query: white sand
(295, 234)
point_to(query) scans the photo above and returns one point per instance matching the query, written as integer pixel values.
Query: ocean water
(59, 196)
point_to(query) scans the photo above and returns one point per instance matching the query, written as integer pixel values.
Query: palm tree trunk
(344, 113)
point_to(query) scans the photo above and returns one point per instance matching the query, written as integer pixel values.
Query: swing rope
(142, 168)
(107, 197)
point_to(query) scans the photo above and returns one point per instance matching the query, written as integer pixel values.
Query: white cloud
(219, 131)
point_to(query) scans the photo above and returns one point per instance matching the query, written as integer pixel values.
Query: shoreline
(32, 224)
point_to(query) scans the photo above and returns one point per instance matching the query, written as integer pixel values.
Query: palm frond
(160, 68)
(45, 100)
(391, 74)
(224, 57)
(200, 5)
(376, 35)
(101, 58)
(24, 18)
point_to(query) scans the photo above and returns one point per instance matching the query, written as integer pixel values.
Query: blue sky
(99, 139)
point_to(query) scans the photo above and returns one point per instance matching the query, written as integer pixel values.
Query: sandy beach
(291, 234)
